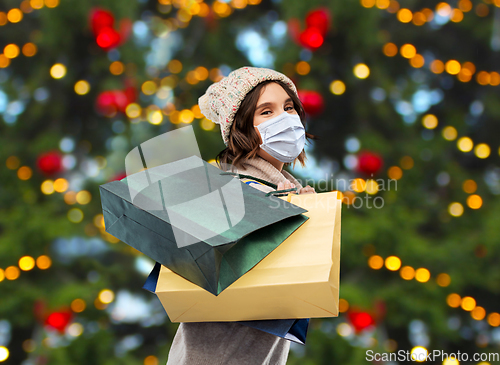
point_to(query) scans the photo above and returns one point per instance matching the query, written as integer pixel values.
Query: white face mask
(283, 137)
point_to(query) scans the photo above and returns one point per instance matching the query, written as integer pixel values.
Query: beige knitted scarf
(262, 169)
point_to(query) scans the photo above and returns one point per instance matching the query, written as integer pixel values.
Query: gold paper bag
(299, 279)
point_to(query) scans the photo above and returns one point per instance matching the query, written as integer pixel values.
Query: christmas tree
(403, 100)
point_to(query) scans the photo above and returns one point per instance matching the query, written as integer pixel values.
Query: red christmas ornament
(108, 38)
(360, 320)
(59, 320)
(312, 101)
(369, 162)
(50, 162)
(100, 19)
(311, 38)
(105, 103)
(102, 24)
(111, 101)
(320, 19)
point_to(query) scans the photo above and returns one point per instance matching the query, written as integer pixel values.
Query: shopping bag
(299, 279)
(203, 225)
(290, 329)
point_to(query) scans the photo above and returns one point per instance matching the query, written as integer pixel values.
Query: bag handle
(274, 186)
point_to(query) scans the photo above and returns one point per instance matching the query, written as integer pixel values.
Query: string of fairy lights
(16, 15)
(425, 15)
(422, 275)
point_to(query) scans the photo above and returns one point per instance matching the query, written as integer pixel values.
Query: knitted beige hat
(223, 98)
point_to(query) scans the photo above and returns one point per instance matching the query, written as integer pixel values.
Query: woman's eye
(267, 111)
(288, 108)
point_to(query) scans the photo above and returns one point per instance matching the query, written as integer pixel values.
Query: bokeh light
(482, 150)
(456, 209)
(453, 300)
(395, 172)
(393, 263)
(478, 313)
(422, 275)
(43, 262)
(408, 51)
(11, 51)
(449, 133)
(58, 71)
(407, 272)
(82, 87)
(429, 121)
(376, 262)
(361, 71)
(474, 201)
(390, 49)
(443, 279)
(468, 303)
(26, 263)
(465, 144)
(12, 273)
(405, 15)
(337, 87)
(106, 296)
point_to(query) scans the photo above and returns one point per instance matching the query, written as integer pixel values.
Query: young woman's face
(272, 102)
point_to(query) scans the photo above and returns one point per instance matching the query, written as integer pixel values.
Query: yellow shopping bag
(299, 279)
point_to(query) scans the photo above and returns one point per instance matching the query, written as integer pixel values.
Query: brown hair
(244, 140)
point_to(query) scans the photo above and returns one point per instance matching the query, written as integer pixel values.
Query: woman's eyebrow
(269, 104)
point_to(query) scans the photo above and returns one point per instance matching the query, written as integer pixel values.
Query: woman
(261, 119)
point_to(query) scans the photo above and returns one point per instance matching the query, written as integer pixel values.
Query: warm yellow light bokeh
(395, 172)
(303, 68)
(43, 262)
(11, 51)
(361, 71)
(15, 15)
(465, 144)
(430, 121)
(449, 133)
(58, 71)
(133, 110)
(456, 209)
(337, 87)
(82, 87)
(393, 263)
(482, 150)
(106, 296)
(478, 313)
(443, 279)
(468, 303)
(376, 262)
(422, 275)
(408, 51)
(12, 273)
(358, 185)
(407, 272)
(78, 305)
(405, 15)
(474, 201)
(61, 185)
(453, 67)
(390, 49)
(453, 300)
(437, 66)
(494, 319)
(175, 66)
(469, 186)
(26, 263)
(24, 173)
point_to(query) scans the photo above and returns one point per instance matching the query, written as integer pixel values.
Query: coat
(231, 343)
